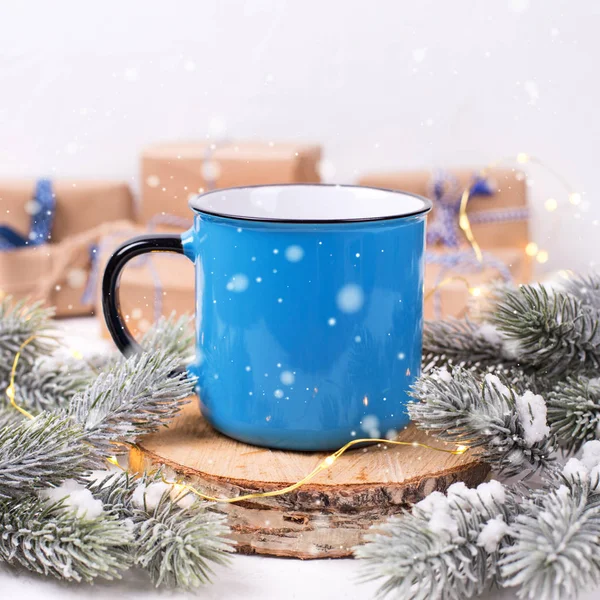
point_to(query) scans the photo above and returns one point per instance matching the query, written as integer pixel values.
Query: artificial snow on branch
(515, 384)
(463, 343)
(574, 411)
(557, 334)
(174, 335)
(49, 385)
(175, 537)
(49, 521)
(584, 287)
(555, 550)
(138, 395)
(39, 453)
(508, 429)
(49, 538)
(446, 547)
(20, 322)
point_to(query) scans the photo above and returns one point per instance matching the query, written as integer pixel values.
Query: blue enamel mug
(309, 310)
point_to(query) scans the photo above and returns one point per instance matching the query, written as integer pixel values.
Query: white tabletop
(246, 578)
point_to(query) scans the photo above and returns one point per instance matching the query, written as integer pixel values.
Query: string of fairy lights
(551, 204)
(532, 248)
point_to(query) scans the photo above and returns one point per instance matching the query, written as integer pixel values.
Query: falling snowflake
(287, 378)
(326, 170)
(350, 298)
(532, 91)
(294, 253)
(211, 170)
(217, 127)
(238, 283)
(419, 54)
(152, 181)
(370, 425)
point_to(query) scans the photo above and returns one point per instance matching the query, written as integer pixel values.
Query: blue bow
(447, 194)
(42, 218)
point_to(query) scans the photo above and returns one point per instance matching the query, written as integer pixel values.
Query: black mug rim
(427, 204)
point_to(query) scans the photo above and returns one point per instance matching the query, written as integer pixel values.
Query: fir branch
(574, 411)
(48, 385)
(20, 321)
(483, 415)
(586, 288)
(9, 417)
(40, 452)
(174, 335)
(440, 550)
(49, 539)
(555, 554)
(174, 544)
(556, 333)
(462, 342)
(138, 395)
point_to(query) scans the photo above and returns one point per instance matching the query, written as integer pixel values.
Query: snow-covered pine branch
(556, 333)
(584, 287)
(574, 411)
(175, 538)
(49, 538)
(464, 343)
(509, 429)
(39, 453)
(555, 549)
(543, 542)
(19, 321)
(173, 335)
(48, 384)
(446, 548)
(137, 395)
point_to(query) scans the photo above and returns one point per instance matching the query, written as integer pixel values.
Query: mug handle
(158, 242)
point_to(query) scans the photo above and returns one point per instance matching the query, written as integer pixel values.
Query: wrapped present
(47, 233)
(171, 173)
(152, 285)
(46, 210)
(456, 278)
(497, 207)
(56, 273)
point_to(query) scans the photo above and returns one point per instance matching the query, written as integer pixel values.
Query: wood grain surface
(327, 516)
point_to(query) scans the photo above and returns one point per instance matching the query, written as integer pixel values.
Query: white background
(381, 84)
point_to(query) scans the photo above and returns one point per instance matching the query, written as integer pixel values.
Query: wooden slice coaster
(324, 518)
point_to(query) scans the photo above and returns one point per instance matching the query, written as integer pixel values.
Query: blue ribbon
(40, 228)
(447, 194)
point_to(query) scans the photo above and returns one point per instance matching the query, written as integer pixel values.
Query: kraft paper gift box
(81, 205)
(57, 274)
(455, 279)
(151, 286)
(172, 172)
(46, 243)
(498, 219)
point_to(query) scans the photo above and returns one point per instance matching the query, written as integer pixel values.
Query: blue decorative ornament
(42, 218)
